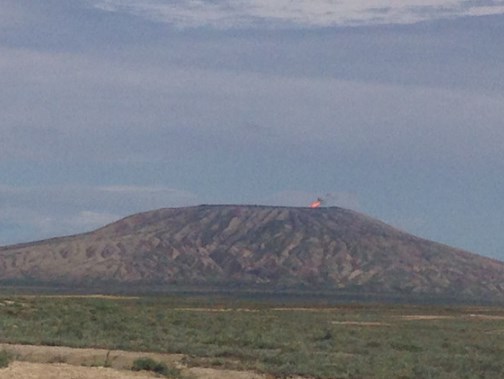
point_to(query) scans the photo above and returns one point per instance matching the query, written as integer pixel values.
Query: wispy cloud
(41, 212)
(305, 13)
(114, 112)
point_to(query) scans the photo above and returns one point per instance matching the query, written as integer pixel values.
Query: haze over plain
(113, 107)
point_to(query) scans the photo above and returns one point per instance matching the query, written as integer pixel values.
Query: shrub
(149, 364)
(5, 358)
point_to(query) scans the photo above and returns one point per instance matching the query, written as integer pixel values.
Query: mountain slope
(273, 247)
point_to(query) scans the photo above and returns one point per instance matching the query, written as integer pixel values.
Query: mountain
(234, 246)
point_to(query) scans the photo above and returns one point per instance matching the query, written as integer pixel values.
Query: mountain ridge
(254, 246)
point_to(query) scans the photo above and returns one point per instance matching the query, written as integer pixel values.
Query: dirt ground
(360, 323)
(426, 317)
(56, 362)
(28, 370)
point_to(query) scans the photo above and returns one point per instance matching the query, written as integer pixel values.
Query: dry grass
(238, 337)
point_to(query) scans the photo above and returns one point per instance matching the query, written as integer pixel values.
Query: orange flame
(316, 204)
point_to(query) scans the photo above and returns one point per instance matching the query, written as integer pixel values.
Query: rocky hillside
(255, 247)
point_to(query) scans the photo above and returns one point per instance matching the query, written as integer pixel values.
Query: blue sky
(111, 107)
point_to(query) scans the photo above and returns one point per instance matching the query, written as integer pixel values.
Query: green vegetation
(5, 358)
(341, 341)
(149, 364)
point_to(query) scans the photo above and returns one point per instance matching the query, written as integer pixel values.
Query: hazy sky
(110, 107)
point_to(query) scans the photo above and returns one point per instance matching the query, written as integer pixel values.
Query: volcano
(255, 247)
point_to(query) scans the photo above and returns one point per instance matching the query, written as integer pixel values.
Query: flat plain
(231, 337)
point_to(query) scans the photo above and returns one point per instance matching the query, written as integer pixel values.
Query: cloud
(116, 199)
(42, 212)
(86, 220)
(111, 111)
(305, 13)
(12, 14)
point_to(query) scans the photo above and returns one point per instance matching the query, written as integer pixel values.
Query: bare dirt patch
(360, 323)
(426, 317)
(216, 310)
(58, 362)
(301, 309)
(472, 316)
(209, 373)
(117, 359)
(29, 370)
(485, 317)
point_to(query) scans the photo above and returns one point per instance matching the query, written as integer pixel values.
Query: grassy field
(315, 341)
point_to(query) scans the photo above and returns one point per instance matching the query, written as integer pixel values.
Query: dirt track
(117, 359)
(57, 362)
(28, 370)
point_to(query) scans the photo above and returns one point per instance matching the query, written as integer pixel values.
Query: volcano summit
(255, 247)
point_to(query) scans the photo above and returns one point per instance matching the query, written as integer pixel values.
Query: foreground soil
(57, 362)
(28, 370)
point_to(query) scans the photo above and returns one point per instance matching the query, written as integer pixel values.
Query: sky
(394, 108)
